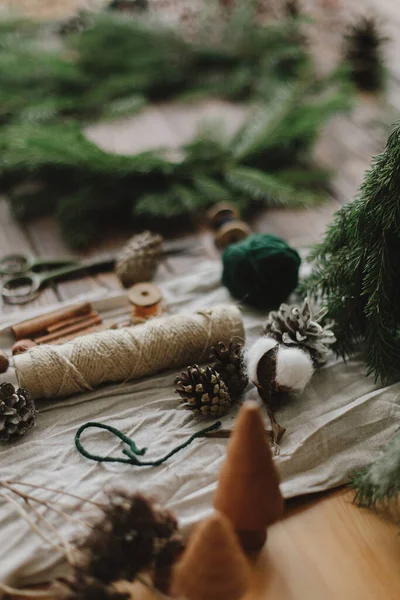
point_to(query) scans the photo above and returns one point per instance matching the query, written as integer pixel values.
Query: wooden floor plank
(13, 239)
(47, 241)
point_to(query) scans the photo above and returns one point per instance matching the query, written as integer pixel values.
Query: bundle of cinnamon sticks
(60, 325)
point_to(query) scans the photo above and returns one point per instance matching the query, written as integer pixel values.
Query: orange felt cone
(213, 565)
(248, 490)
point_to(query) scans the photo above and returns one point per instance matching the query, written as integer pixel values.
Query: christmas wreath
(56, 80)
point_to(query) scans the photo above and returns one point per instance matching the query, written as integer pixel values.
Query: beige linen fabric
(338, 425)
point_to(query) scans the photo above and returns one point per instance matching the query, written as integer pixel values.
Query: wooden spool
(221, 213)
(146, 300)
(224, 217)
(232, 232)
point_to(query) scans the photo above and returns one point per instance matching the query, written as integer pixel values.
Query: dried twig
(11, 591)
(62, 492)
(45, 503)
(24, 514)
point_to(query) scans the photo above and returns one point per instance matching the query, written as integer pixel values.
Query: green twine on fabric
(134, 451)
(261, 270)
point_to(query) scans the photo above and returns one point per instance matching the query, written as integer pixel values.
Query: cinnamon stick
(72, 336)
(50, 337)
(70, 321)
(34, 327)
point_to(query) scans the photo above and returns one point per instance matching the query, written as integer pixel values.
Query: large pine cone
(17, 412)
(228, 362)
(203, 391)
(292, 325)
(139, 258)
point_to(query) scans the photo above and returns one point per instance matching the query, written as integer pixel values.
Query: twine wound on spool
(225, 219)
(128, 353)
(146, 300)
(139, 258)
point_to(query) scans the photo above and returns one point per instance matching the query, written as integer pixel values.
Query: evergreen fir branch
(379, 484)
(178, 201)
(357, 268)
(211, 189)
(265, 186)
(103, 70)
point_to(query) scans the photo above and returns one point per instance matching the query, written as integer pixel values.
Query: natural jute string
(128, 353)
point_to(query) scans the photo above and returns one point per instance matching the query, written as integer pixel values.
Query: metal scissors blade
(25, 287)
(14, 264)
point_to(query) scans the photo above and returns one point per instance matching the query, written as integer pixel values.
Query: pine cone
(292, 325)
(362, 52)
(203, 391)
(228, 362)
(17, 412)
(127, 540)
(139, 258)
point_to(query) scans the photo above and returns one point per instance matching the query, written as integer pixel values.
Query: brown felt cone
(248, 488)
(213, 565)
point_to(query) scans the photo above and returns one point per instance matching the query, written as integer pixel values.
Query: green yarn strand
(133, 452)
(261, 270)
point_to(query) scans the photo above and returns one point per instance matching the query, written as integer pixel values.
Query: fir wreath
(114, 65)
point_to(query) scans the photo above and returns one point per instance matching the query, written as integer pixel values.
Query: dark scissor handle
(24, 288)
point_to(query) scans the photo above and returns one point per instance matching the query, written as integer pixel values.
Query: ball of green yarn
(261, 270)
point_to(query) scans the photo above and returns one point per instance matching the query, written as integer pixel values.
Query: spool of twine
(139, 258)
(129, 353)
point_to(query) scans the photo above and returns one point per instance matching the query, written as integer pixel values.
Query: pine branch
(271, 188)
(379, 484)
(103, 70)
(357, 267)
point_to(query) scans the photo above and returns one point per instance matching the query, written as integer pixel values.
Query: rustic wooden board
(14, 239)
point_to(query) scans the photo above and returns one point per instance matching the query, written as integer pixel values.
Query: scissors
(29, 279)
(16, 264)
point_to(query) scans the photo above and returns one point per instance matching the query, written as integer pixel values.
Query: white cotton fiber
(294, 369)
(254, 354)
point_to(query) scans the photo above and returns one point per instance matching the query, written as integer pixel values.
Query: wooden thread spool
(146, 299)
(224, 217)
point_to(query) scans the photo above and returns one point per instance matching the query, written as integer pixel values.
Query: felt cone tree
(248, 488)
(357, 268)
(213, 565)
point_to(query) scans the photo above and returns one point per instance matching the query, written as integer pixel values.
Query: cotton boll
(294, 369)
(255, 353)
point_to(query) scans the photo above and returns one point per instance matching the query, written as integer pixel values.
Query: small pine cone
(17, 412)
(291, 325)
(228, 362)
(363, 54)
(203, 391)
(126, 541)
(139, 258)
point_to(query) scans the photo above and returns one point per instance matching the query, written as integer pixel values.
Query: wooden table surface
(325, 548)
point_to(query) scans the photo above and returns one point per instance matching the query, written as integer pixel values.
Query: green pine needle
(379, 484)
